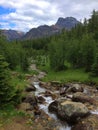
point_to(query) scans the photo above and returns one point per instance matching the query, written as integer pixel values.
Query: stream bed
(39, 92)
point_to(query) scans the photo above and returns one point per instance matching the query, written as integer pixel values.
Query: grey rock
(71, 111)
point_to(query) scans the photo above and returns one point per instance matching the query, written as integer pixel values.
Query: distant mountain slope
(12, 34)
(46, 30)
(41, 31)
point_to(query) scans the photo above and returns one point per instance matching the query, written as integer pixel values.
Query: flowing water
(44, 107)
(95, 112)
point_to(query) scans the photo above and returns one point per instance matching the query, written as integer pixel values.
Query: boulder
(46, 85)
(41, 75)
(25, 107)
(54, 96)
(75, 88)
(56, 84)
(43, 84)
(71, 111)
(30, 88)
(69, 96)
(31, 99)
(40, 99)
(37, 111)
(53, 107)
(63, 90)
(28, 76)
(82, 97)
(14, 74)
(88, 123)
(47, 93)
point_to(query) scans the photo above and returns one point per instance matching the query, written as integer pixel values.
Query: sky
(22, 15)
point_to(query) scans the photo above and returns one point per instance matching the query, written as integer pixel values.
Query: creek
(39, 92)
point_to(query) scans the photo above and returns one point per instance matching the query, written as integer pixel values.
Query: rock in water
(40, 99)
(71, 111)
(53, 107)
(30, 88)
(31, 99)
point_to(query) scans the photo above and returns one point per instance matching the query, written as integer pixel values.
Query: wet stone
(40, 99)
(30, 88)
(53, 107)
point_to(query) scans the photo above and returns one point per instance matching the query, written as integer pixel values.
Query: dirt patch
(42, 122)
(17, 123)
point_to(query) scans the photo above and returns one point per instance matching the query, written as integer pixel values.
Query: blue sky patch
(4, 22)
(6, 10)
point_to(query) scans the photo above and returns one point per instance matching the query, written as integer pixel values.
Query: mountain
(45, 30)
(41, 31)
(67, 23)
(12, 34)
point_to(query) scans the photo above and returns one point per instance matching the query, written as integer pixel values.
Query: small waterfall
(44, 107)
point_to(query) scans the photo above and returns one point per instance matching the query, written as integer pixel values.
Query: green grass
(69, 75)
(10, 111)
(19, 81)
(33, 72)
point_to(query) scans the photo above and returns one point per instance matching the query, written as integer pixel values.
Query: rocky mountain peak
(67, 22)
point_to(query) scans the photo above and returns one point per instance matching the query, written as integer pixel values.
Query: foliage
(7, 91)
(57, 55)
(95, 66)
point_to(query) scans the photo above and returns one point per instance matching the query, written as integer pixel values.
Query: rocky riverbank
(72, 103)
(56, 106)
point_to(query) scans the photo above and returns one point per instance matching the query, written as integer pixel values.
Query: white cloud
(32, 13)
(5, 25)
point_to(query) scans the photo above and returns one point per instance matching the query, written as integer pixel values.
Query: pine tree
(93, 24)
(87, 48)
(95, 66)
(24, 63)
(6, 90)
(57, 55)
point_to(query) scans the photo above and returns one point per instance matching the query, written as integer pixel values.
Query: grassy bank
(9, 111)
(68, 75)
